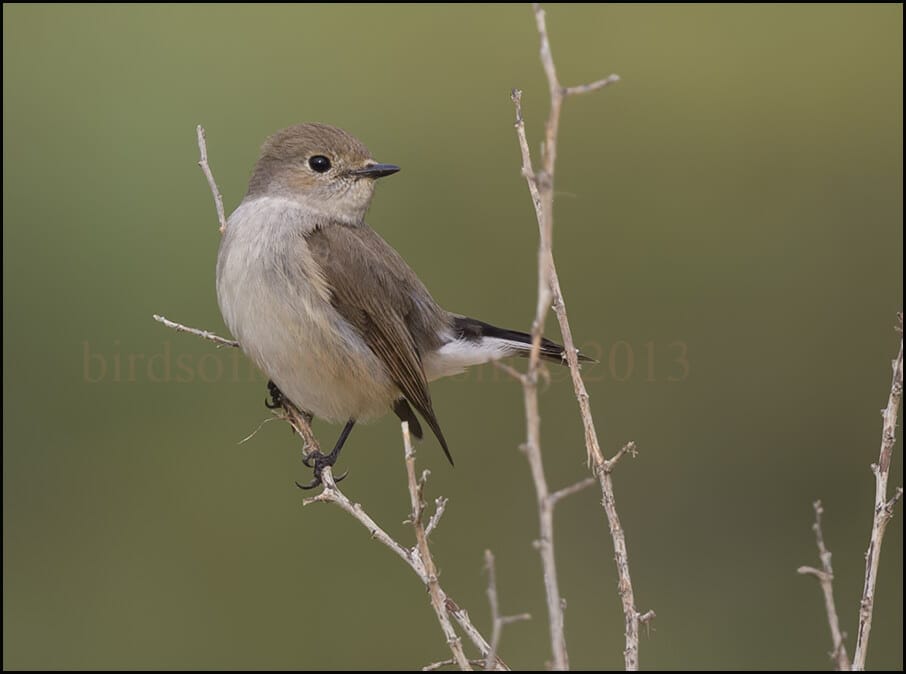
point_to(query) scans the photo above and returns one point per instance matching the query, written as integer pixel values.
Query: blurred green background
(737, 197)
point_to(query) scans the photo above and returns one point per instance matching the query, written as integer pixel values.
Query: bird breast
(276, 303)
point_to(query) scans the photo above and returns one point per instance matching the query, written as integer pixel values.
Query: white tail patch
(458, 354)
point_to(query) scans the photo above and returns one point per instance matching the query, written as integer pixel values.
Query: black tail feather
(474, 330)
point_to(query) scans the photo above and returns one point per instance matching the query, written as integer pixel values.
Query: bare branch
(629, 448)
(594, 86)
(541, 189)
(438, 598)
(631, 615)
(440, 664)
(461, 616)
(572, 489)
(509, 370)
(206, 169)
(532, 446)
(332, 494)
(496, 624)
(440, 504)
(204, 334)
(883, 507)
(414, 557)
(825, 577)
(498, 621)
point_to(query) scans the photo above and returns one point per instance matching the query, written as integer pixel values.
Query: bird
(331, 313)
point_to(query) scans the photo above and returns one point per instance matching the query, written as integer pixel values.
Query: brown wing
(374, 289)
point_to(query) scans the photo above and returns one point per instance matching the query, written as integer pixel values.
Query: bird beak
(375, 171)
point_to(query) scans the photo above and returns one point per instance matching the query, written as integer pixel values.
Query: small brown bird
(326, 308)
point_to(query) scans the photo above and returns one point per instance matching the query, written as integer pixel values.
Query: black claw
(317, 481)
(319, 461)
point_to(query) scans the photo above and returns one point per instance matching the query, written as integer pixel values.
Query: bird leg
(320, 461)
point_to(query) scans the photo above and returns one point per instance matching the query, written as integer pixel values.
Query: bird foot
(319, 462)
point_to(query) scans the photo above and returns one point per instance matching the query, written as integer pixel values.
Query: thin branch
(438, 599)
(414, 557)
(825, 576)
(629, 448)
(541, 189)
(544, 210)
(206, 169)
(581, 485)
(532, 446)
(498, 622)
(461, 616)
(508, 370)
(632, 617)
(440, 504)
(332, 494)
(883, 508)
(204, 334)
(594, 86)
(440, 664)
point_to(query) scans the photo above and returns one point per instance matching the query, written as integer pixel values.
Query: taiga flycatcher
(326, 308)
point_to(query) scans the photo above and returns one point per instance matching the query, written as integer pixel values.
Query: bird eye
(319, 163)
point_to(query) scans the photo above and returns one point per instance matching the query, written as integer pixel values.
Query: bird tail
(509, 342)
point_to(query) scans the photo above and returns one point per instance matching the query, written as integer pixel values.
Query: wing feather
(374, 289)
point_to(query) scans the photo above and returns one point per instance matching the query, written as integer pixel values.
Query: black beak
(375, 171)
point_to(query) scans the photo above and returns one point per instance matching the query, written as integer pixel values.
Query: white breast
(277, 305)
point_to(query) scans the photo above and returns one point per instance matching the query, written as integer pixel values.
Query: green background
(737, 195)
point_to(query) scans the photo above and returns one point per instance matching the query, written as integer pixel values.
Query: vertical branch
(532, 446)
(883, 508)
(541, 188)
(825, 576)
(498, 622)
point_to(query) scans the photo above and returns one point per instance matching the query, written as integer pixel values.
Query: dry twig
(206, 169)
(438, 598)
(883, 512)
(883, 508)
(825, 576)
(204, 334)
(541, 189)
(498, 622)
(440, 664)
(418, 558)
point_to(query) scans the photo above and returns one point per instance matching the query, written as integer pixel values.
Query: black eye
(319, 163)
